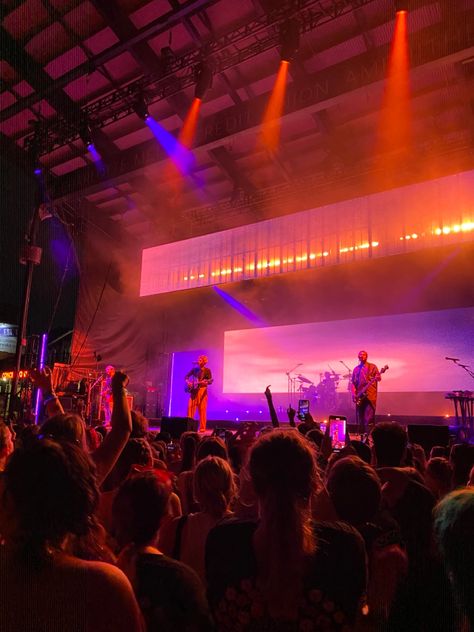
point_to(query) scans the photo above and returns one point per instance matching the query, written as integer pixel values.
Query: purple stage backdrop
(413, 345)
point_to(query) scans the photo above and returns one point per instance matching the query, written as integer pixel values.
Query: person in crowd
(454, 529)
(439, 450)
(439, 476)
(139, 425)
(471, 477)
(188, 443)
(462, 459)
(71, 427)
(355, 491)
(6, 444)
(49, 495)
(214, 489)
(389, 443)
(170, 594)
(423, 601)
(284, 570)
(362, 450)
(208, 446)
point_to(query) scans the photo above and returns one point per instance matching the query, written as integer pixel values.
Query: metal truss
(221, 54)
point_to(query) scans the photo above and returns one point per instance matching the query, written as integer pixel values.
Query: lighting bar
(120, 103)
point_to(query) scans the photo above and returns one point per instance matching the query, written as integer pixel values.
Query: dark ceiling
(63, 59)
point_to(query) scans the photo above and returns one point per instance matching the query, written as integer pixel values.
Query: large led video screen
(311, 359)
(414, 346)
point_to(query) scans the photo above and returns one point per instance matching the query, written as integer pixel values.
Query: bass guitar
(361, 393)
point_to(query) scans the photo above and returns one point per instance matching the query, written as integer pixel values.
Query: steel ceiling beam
(160, 25)
(119, 104)
(34, 74)
(226, 162)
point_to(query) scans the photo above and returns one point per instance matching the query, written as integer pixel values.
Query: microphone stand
(291, 383)
(466, 367)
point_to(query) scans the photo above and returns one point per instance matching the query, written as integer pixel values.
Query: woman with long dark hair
(284, 569)
(49, 495)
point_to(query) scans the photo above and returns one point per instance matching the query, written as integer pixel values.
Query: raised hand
(119, 381)
(326, 444)
(42, 379)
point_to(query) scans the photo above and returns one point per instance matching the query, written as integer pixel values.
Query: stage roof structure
(64, 62)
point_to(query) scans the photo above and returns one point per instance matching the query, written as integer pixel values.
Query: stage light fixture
(85, 133)
(203, 77)
(289, 39)
(401, 6)
(141, 108)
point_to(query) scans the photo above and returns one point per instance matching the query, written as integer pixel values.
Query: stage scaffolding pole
(30, 255)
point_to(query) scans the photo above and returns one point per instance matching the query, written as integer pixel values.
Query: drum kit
(322, 393)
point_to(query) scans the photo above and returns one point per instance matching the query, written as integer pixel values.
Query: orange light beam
(395, 120)
(188, 132)
(271, 124)
(185, 138)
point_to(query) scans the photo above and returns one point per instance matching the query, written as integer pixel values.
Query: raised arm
(121, 426)
(271, 408)
(43, 379)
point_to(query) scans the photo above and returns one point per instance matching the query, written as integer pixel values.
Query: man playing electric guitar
(364, 393)
(197, 381)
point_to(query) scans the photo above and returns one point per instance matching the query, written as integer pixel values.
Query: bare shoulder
(111, 601)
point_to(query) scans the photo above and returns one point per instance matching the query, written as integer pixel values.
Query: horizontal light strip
(383, 224)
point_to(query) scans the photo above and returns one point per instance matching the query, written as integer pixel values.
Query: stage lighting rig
(85, 132)
(203, 77)
(140, 108)
(289, 39)
(402, 6)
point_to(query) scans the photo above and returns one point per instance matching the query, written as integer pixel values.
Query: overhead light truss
(262, 34)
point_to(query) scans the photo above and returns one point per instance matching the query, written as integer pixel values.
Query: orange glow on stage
(271, 125)
(395, 118)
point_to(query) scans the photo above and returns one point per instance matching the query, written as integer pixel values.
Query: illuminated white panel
(424, 215)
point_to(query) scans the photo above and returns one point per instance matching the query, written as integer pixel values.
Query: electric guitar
(361, 393)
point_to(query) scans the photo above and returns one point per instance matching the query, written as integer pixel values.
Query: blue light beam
(181, 157)
(239, 307)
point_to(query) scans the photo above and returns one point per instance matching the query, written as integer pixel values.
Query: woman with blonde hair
(185, 538)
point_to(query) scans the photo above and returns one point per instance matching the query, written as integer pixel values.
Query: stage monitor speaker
(177, 425)
(428, 436)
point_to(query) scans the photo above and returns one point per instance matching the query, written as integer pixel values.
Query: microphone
(453, 359)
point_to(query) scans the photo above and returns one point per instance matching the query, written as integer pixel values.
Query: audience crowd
(264, 529)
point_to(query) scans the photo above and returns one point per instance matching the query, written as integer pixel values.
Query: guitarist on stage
(197, 381)
(364, 393)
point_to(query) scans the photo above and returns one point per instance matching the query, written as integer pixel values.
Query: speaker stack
(177, 425)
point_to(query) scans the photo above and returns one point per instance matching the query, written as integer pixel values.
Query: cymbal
(302, 378)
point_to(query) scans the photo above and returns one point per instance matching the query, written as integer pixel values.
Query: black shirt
(171, 595)
(334, 585)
